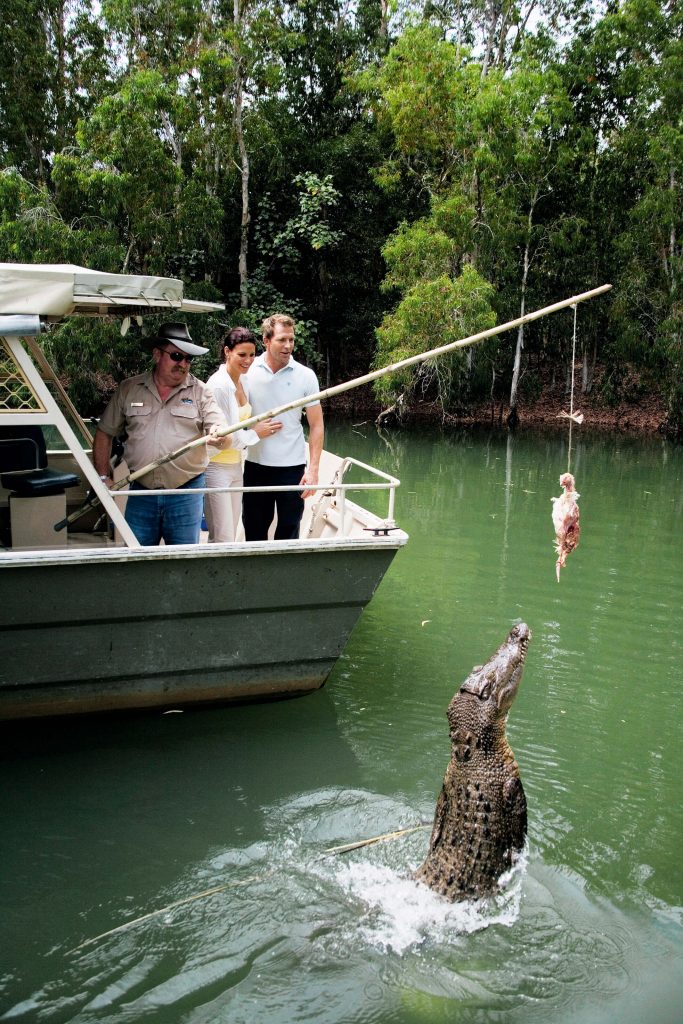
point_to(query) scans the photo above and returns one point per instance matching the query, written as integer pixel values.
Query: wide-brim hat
(179, 336)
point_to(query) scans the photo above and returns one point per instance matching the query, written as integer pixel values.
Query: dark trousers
(258, 509)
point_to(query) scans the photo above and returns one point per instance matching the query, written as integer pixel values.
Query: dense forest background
(396, 175)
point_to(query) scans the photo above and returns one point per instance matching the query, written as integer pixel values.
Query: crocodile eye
(485, 693)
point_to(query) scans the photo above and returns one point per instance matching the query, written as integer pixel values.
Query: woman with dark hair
(237, 351)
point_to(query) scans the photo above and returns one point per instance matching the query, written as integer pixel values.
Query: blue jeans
(173, 518)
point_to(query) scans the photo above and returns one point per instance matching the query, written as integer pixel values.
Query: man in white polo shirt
(275, 379)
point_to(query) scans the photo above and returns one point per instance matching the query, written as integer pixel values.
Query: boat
(91, 620)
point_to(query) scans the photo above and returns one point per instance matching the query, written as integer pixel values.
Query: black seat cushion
(38, 482)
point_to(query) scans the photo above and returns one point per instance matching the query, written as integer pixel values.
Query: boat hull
(166, 627)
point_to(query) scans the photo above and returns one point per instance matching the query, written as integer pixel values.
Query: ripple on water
(298, 935)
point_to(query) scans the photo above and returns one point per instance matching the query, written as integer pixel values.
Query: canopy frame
(52, 415)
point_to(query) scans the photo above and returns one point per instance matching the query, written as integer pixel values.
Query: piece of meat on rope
(565, 521)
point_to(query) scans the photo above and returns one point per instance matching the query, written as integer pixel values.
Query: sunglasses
(178, 357)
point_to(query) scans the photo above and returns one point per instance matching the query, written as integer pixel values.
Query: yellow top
(230, 456)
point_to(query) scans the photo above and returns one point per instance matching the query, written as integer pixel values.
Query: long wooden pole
(338, 389)
(348, 385)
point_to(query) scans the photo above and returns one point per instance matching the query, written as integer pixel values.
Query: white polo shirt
(267, 390)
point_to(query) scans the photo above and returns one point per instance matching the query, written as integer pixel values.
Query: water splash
(399, 913)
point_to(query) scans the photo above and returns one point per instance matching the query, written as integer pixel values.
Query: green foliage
(287, 249)
(150, 32)
(417, 252)
(392, 151)
(264, 300)
(128, 172)
(485, 147)
(428, 91)
(93, 357)
(647, 311)
(316, 196)
(433, 313)
(53, 65)
(309, 227)
(25, 71)
(32, 229)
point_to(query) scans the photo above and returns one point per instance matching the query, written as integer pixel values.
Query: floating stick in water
(333, 850)
(164, 910)
(386, 837)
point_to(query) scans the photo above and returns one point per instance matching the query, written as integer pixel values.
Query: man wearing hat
(161, 410)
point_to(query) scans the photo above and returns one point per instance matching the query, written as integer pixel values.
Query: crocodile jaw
(499, 678)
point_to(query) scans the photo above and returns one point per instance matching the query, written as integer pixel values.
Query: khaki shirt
(156, 428)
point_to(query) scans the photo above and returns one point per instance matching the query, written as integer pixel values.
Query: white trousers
(223, 511)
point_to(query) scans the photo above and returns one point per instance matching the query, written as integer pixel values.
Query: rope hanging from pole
(565, 508)
(571, 395)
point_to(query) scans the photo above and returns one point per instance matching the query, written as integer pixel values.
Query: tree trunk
(384, 23)
(492, 392)
(670, 269)
(588, 370)
(520, 330)
(244, 165)
(322, 304)
(493, 12)
(58, 19)
(173, 139)
(512, 417)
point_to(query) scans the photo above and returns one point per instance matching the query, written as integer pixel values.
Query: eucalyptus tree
(540, 155)
(648, 313)
(25, 117)
(309, 139)
(496, 31)
(484, 148)
(159, 153)
(34, 230)
(241, 69)
(53, 62)
(622, 199)
(130, 171)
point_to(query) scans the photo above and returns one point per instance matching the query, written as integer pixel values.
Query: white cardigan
(223, 387)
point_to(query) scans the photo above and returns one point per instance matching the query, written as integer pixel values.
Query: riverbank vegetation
(395, 175)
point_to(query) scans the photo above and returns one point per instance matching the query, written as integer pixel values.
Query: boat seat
(38, 482)
(37, 497)
(23, 464)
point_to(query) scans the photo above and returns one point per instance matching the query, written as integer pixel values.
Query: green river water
(104, 821)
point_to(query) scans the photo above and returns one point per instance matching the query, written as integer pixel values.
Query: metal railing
(336, 489)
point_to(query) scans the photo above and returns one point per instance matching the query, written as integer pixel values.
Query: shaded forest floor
(637, 410)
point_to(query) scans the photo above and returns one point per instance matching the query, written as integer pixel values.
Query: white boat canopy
(57, 290)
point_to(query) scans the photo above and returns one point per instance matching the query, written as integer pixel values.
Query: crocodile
(480, 821)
